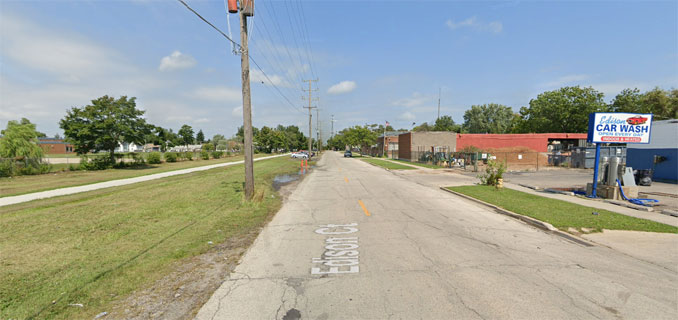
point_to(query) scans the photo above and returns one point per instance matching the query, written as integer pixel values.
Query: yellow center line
(346, 179)
(367, 213)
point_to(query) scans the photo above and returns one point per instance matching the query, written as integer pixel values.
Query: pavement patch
(341, 251)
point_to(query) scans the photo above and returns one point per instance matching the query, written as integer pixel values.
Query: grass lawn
(387, 164)
(561, 214)
(425, 165)
(27, 184)
(97, 247)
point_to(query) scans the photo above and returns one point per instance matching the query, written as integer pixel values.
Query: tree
(200, 137)
(103, 124)
(186, 134)
(423, 127)
(662, 103)
(488, 118)
(565, 110)
(359, 136)
(20, 140)
(445, 123)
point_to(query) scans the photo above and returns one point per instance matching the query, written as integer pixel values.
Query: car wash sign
(619, 127)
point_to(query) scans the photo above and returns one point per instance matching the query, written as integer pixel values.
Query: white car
(299, 155)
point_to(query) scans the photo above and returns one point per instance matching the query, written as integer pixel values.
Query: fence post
(537, 161)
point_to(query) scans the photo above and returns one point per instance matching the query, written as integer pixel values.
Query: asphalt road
(355, 241)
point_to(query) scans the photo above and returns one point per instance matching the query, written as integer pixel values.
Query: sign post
(616, 128)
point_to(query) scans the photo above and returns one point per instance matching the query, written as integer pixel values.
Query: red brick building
(536, 141)
(55, 146)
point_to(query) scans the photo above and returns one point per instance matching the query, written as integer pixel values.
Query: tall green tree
(662, 103)
(423, 127)
(20, 140)
(103, 124)
(564, 110)
(200, 137)
(446, 123)
(186, 134)
(488, 118)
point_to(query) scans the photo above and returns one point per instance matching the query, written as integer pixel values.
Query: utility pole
(438, 103)
(310, 115)
(332, 131)
(318, 130)
(246, 98)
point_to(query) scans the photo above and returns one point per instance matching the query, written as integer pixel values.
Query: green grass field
(561, 214)
(425, 165)
(35, 183)
(387, 164)
(97, 247)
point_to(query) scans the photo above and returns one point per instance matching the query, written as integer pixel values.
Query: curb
(535, 188)
(567, 193)
(531, 221)
(670, 212)
(629, 205)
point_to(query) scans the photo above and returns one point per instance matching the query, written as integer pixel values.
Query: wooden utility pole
(318, 130)
(310, 115)
(246, 107)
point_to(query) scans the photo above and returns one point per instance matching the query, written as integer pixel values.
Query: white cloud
(342, 87)
(417, 99)
(407, 116)
(474, 23)
(218, 94)
(568, 79)
(176, 61)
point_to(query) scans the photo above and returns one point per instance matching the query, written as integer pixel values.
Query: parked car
(348, 154)
(299, 155)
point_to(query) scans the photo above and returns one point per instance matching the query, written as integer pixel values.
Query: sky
(376, 61)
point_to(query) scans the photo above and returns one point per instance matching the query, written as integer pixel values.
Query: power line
(239, 46)
(302, 16)
(211, 25)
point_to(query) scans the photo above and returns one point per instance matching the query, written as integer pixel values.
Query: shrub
(95, 162)
(228, 153)
(7, 167)
(170, 156)
(204, 155)
(138, 160)
(154, 158)
(217, 154)
(188, 155)
(493, 172)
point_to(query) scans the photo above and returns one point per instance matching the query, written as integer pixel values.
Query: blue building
(663, 146)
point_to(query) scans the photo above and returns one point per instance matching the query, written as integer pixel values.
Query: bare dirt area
(180, 294)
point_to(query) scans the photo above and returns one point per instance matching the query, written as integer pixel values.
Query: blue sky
(376, 60)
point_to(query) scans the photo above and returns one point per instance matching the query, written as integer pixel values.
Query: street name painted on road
(341, 252)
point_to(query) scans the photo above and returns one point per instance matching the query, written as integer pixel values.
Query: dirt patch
(181, 294)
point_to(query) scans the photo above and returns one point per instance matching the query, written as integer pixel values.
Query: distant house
(128, 147)
(55, 146)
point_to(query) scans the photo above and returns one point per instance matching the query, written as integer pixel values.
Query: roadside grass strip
(387, 164)
(561, 214)
(19, 185)
(425, 165)
(95, 248)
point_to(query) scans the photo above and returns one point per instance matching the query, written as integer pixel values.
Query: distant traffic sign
(619, 127)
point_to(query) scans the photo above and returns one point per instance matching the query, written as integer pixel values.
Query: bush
(154, 158)
(170, 156)
(217, 154)
(493, 172)
(188, 155)
(204, 155)
(95, 162)
(228, 153)
(138, 160)
(7, 168)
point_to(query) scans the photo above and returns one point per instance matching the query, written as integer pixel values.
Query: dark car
(348, 154)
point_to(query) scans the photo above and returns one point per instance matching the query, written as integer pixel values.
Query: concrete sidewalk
(114, 183)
